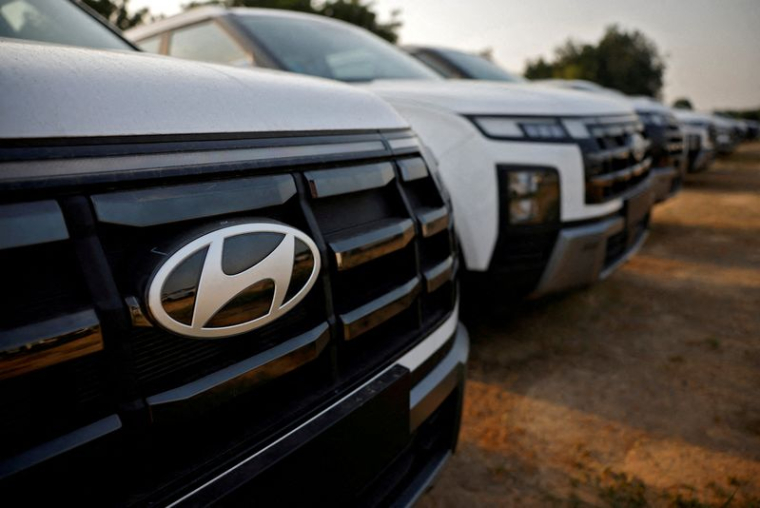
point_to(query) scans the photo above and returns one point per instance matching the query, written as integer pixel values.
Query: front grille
(668, 144)
(676, 142)
(368, 200)
(695, 143)
(616, 158)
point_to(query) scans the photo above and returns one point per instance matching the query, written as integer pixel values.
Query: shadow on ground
(640, 391)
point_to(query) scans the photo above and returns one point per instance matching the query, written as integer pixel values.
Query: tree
(363, 15)
(683, 103)
(539, 69)
(623, 60)
(746, 114)
(357, 12)
(117, 12)
(291, 5)
(486, 53)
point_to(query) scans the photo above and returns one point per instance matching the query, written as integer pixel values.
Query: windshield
(477, 67)
(331, 50)
(58, 22)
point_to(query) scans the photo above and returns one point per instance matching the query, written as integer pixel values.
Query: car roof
(203, 13)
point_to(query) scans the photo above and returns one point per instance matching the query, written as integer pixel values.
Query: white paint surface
(60, 91)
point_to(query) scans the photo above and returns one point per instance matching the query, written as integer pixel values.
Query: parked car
(669, 149)
(738, 126)
(222, 286)
(700, 134)
(551, 189)
(727, 136)
(669, 157)
(753, 129)
(455, 64)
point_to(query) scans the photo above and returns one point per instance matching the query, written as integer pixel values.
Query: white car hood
(495, 98)
(649, 105)
(60, 91)
(689, 115)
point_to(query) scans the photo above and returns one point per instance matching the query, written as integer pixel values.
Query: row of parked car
(233, 285)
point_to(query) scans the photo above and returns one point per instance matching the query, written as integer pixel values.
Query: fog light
(522, 210)
(533, 196)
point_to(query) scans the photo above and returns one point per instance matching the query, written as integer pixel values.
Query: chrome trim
(578, 256)
(439, 274)
(433, 220)
(413, 169)
(432, 390)
(89, 165)
(25, 224)
(632, 118)
(33, 347)
(136, 314)
(239, 378)
(397, 144)
(596, 185)
(416, 356)
(663, 182)
(370, 315)
(352, 248)
(622, 152)
(333, 182)
(579, 253)
(163, 205)
(623, 174)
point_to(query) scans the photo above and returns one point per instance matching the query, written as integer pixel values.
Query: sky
(711, 47)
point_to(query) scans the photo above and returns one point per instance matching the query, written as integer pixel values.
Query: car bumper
(382, 444)
(667, 183)
(700, 160)
(593, 251)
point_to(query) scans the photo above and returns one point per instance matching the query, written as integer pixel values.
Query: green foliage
(747, 114)
(683, 103)
(116, 11)
(624, 60)
(293, 5)
(539, 69)
(357, 12)
(361, 14)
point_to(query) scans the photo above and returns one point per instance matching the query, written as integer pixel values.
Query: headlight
(533, 196)
(653, 119)
(530, 128)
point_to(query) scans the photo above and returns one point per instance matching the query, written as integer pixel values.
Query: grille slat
(439, 274)
(433, 220)
(361, 244)
(372, 314)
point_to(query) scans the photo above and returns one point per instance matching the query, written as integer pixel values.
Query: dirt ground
(643, 390)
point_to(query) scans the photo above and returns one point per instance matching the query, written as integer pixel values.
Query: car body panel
(91, 97)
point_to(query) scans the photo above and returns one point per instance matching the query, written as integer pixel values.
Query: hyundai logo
(639, 146)
(233, 280)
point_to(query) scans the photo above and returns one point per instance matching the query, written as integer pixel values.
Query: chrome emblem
(233, 280)
(639, 146)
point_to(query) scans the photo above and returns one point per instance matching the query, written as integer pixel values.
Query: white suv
(551, 189)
